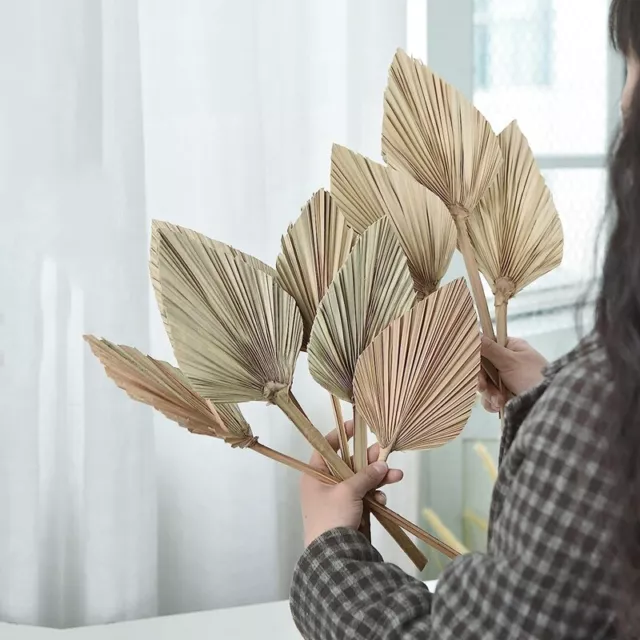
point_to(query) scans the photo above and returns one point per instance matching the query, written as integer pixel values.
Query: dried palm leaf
(214, 245)
(416, 382)
(164, 387)
(236, 333)
(372, 289)
(356, 185)
(432, 132)
(313, 250)
(367, 191)
(516, 231)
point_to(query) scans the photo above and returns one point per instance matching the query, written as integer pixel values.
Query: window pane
(579, 196)
(544, 63)
(417, 29)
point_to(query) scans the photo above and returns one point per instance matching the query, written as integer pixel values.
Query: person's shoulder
(569, 414)
(584, 370)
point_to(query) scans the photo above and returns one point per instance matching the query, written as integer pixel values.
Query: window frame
(452, 21)
(482, 19)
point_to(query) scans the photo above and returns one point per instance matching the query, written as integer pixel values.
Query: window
(513, 42)
(555, 81)
(548, 65)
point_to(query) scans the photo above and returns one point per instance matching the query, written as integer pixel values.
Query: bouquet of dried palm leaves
(356, 286)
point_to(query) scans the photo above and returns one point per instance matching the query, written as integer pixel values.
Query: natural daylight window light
(532, 61)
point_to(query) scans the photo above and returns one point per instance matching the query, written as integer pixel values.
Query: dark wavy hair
(618, 322)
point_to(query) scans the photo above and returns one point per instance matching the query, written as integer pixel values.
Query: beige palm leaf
(433, 133)
(313, 250)
(373, 288)
(157, 226)
(166, 389)
(416, 383)
(236, 335)
(367, 191)
(235, 332)
(516, 231)
(357, 184)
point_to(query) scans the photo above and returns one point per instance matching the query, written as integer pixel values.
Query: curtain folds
(214, 114)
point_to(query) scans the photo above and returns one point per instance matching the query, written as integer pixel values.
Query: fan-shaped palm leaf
(416, 382)
(313, 250)
(373, 288)
(516, 231)
(369, 191)
(357, 184)
(157, 226)
(235, 332)
(165, 388)
(432, 132)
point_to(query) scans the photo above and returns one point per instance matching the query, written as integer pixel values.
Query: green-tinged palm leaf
(372, 289)
(313, 250)
(235, 332)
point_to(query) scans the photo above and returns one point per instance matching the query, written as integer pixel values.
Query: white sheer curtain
(215, 114)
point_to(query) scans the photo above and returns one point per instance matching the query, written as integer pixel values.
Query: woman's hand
(519, 365)
(325, 507)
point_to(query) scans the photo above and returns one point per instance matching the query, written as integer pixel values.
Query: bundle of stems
(167, 389)
(236, 335)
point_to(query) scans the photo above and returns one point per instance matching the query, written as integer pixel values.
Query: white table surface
(262, 622)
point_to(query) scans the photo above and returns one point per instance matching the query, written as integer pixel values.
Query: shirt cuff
(344, 543)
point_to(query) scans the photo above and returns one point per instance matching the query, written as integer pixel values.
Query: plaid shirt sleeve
(547, 572)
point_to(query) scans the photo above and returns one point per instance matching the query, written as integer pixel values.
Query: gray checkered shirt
(548, 570)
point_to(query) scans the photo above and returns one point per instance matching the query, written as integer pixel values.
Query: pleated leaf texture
(373, 288)
(358, 184)
(516, 231)
(159, 225)
(416, 383)
(367, 191)
(432, 132)
(165, 388)
(313, 250)
(235, 332)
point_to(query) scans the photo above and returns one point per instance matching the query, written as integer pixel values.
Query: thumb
(499, 357)
(367, 479)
